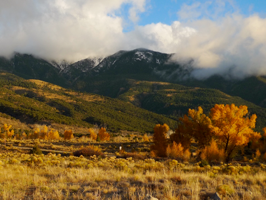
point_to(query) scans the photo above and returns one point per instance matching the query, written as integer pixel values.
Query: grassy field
(118, 174)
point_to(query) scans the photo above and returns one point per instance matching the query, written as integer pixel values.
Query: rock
(149, 197)
(210, 196)
(215, 196)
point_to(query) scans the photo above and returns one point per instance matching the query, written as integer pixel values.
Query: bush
(204, 163)
(68, 135)
(103, 135)
(134, 156)
(212, 153)
(93, 135)
(36, 150)
(89, 151)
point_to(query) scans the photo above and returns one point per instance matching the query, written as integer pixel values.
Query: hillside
(174, 100)
(35, 101)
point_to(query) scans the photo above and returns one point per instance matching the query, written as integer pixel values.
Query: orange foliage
(212, 152)
(194, 125)
(68, 135)
(93, 135)
(103, 135)
(177, 151)
(232, 127)
(159, 139)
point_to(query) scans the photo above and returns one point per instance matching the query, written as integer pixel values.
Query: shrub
(89, 151)
(53, 135)
(177, 151)
(36, 150)
(68, 135)
(212, 152)
(134, 156)
(103, 135)
(92, 133)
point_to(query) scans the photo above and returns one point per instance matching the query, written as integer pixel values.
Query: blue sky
(166, 11)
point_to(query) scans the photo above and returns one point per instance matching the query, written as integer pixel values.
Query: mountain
(146, 65)
(34, 101)
(116, 76)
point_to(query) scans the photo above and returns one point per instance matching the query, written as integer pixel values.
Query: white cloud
(217, 40)
(233, 44)
(64, 29)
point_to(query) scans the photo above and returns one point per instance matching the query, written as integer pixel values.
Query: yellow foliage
(6, 127)
(10, 134)
(159, 139)
(93, 135)
(68, 135)
(103, 135)
(177, 151)
(53, 135)
(145, 138)
(23, 136)
(44, 133)
(232, 127)
(212, 152)
(7, 132)
(36, 134)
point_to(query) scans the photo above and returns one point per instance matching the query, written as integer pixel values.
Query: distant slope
(174, 100)
(35, 101)
(252, 88)
(29, 67)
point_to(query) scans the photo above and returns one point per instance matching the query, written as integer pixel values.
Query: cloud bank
(219, 42)
(64, 29)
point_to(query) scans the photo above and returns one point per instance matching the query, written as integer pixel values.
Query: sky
(219, 35)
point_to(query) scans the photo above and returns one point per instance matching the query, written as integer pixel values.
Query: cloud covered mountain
(94, 74)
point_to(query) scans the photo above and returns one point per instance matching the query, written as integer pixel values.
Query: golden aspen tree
(160, 140)
(53, 135)
(24, 135)
(35, 135)
(232, 127)
(10, 134)
(194, 125)
(7, 132)
(92, 133)
(44, 133)
(103, 135)
(68, 135)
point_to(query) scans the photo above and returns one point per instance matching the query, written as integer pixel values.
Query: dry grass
(51, 176)
(26, 176)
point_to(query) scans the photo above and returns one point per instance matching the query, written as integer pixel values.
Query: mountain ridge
(139, 64)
